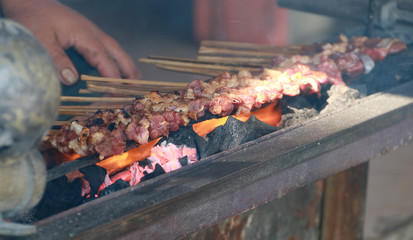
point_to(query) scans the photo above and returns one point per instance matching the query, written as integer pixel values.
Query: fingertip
(66, 71)
(68, 76)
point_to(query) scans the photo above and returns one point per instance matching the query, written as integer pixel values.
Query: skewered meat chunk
(114, 143)
(222, 105)
(328, 66)
(351, 65)
(158, 126)
(174, 119)
(197, 107)
(346, 56)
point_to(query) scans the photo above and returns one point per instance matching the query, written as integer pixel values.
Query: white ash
(340, 96)
(296, 110)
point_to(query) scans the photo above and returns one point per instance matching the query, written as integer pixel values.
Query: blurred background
(174, 29)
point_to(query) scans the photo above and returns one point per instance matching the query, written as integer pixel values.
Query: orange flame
(70, 157)
(207, 126)
(118, 162)
(271, 115)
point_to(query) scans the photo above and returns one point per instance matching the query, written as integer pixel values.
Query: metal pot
(29, 101)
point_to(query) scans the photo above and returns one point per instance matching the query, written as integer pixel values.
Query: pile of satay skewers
(214, 58)
(293, 69)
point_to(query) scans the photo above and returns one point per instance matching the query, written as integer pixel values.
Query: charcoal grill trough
(256, 172)
(234, 181)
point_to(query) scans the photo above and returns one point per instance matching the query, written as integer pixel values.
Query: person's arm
(59, 27)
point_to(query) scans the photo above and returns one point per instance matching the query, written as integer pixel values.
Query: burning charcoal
(232, 134)
(258, 128)
(209, 145)
(183, 161)
(296, 110)
(95, 175)
(339, 97)
(144, 163)
(185, 136)
(235, 133)
(116, 186)
(168, 154)
(59, 195)
(158, 171)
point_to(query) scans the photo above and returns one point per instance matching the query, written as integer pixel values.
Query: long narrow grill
(264, 169)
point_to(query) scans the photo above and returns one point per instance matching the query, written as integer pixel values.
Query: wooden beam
(344, 204)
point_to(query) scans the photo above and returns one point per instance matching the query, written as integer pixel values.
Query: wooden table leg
(344, 204)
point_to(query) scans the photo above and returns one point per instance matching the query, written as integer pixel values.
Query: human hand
(59, 27)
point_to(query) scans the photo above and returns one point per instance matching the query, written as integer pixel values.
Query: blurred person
(258, 21)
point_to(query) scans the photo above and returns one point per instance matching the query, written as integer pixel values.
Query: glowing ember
(168, 155)
(70, 157)
(126, 159)
(85, 188)
(271, 115)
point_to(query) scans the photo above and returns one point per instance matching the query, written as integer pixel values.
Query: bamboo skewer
(52, 131)
(239, 60)
(206, 62)
(60, 123)
(77, 110)
(232, 52)
(89, 107)
(198, 71)
(130, 81)
(84, 91)
(255, 46)
(216, 57)
(197, 65)
(76, 113)
(49, 134)
(97, 99)
(104, 89)
(144, 88)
